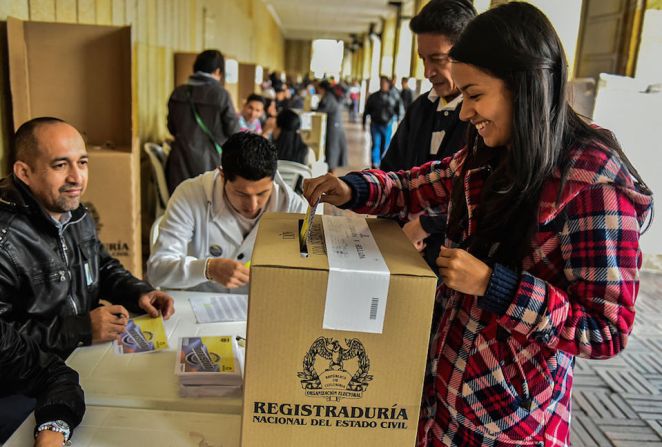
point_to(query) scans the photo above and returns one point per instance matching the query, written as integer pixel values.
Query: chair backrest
(158, 159)
(293, 174)
(154, 233)
(311, 158)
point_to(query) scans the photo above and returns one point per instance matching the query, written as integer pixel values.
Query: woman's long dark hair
(516, 43)
(289, 143)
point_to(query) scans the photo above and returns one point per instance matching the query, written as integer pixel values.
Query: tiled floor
(616, 402)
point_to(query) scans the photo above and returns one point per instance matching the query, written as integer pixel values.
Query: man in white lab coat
(207, 233)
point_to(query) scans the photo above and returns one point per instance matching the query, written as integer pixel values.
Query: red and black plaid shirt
(505, 379)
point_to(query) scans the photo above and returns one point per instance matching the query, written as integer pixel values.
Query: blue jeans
(381, 137)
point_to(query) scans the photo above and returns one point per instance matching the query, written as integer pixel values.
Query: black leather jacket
(26, 369)
(50, 278)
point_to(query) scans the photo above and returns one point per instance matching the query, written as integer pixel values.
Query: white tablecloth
(127, 427)
(148, 380)
(133, 399)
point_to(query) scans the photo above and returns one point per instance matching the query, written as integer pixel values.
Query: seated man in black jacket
(25, 368)
(431, 128)
(53, 269)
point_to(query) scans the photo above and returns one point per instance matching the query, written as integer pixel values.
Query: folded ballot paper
(142, 334)
(209, 361)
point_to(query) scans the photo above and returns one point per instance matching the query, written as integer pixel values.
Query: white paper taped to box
(358, 284)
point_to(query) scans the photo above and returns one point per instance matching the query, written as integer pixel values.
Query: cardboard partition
(82, 74)
(183, 66)
(313, 132)
(305, 385)
(247, 82)
(115, 205)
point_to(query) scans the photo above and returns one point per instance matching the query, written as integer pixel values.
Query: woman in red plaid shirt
(541, 256)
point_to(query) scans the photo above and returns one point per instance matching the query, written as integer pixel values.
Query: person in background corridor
(406, 95)
(251, 112)
(336, 143)
(383, 108)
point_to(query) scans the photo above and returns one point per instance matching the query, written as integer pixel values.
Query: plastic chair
(311, 158)
(154, 233)
(157, 159)
(293, 174)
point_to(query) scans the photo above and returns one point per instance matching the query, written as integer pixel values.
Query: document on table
(220, 308)
(142, 334)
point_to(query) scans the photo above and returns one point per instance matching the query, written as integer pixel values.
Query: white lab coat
(193, 229)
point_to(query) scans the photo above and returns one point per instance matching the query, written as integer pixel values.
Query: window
(327, 58)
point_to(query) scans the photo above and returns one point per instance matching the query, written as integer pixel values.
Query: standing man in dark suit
(431, 128)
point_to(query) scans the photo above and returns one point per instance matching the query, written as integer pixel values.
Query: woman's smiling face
(487, 104)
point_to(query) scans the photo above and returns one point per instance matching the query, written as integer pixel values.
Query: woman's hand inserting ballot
(327, 188)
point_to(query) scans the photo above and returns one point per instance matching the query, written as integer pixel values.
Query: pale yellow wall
(243, 29)
(388, 44)
(246, 30)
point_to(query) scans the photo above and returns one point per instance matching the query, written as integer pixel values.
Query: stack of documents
(209, 366)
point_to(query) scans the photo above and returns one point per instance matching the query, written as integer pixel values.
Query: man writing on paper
(208, 230)
(53, 268)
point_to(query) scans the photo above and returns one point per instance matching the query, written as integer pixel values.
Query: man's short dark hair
(208, 61)
(25, 140)
(249, 156)
(445, 17)
(254, 97)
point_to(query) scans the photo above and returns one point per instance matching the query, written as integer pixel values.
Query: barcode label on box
(357, 291)
(373, 308)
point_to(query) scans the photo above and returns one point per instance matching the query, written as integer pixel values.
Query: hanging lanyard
(201, 123)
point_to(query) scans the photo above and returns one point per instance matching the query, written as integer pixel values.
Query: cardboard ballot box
(313, 132)
(82, 74)
(307, 385)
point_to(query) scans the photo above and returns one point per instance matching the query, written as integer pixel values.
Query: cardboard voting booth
(183, 67)
(82, 74)
(337, 340)
(247, 81)
(313, 132)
